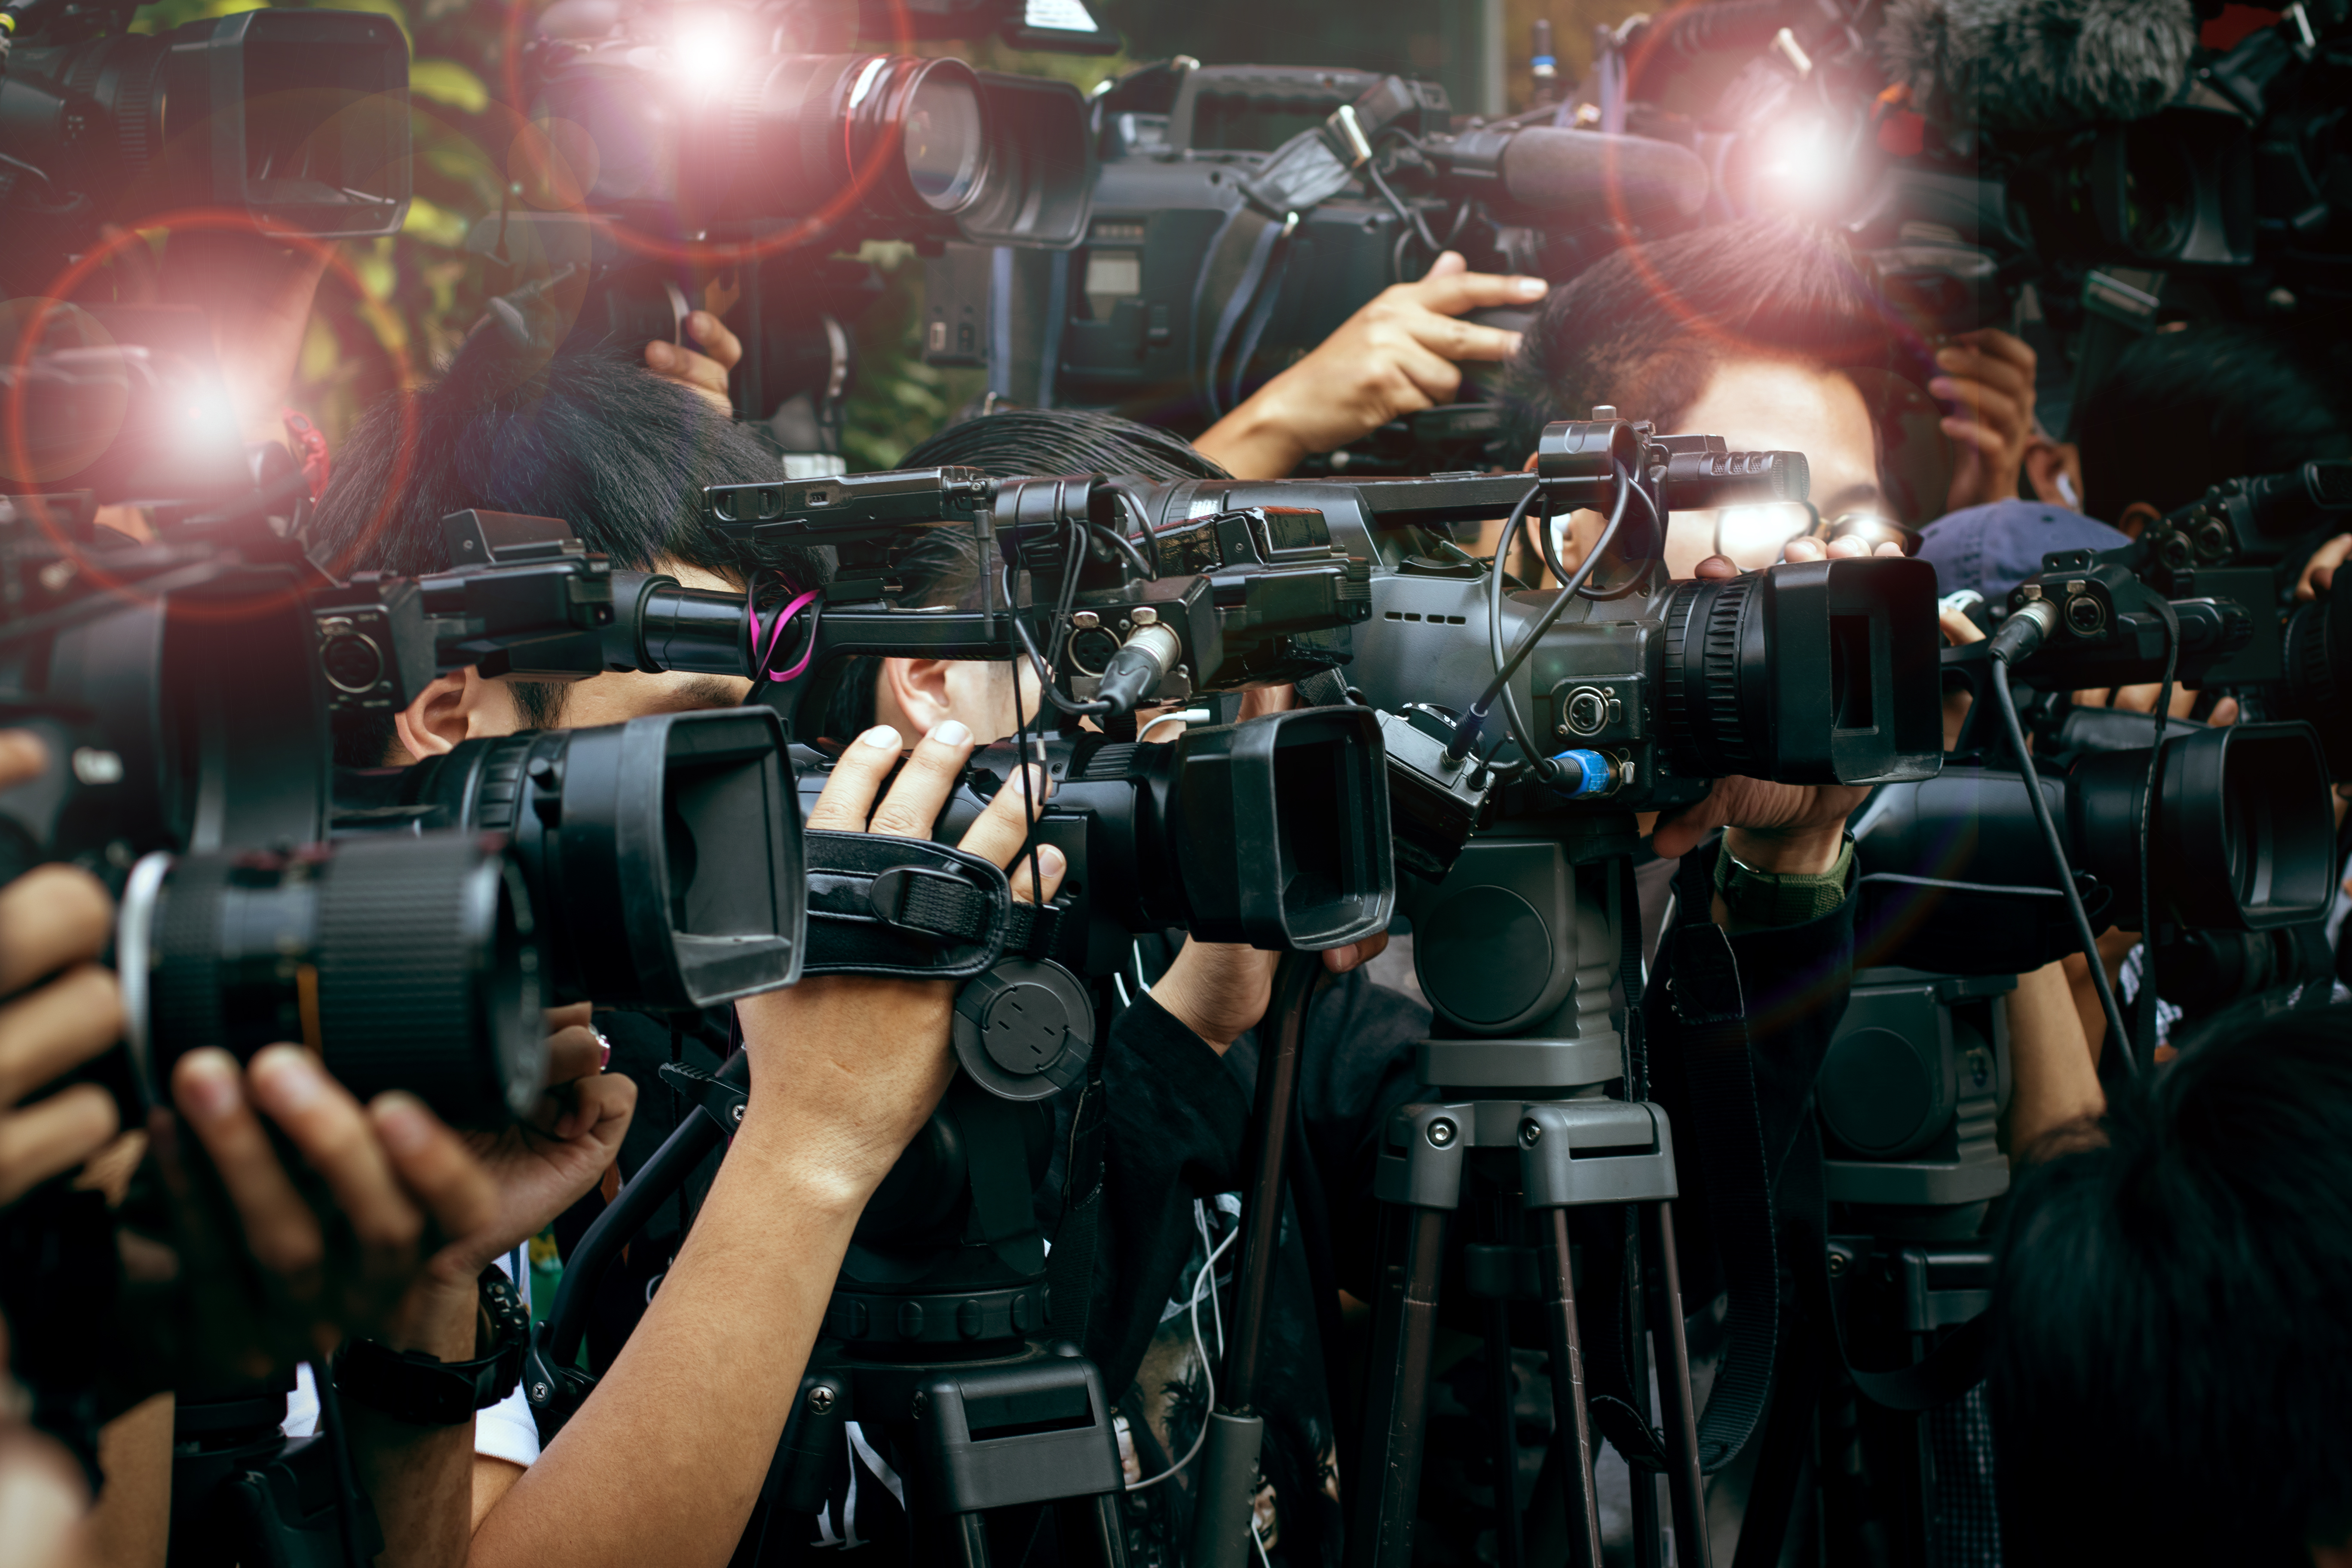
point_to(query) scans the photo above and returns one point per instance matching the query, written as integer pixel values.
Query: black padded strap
(903, 909)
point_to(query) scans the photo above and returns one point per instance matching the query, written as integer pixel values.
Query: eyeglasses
(1753, 537)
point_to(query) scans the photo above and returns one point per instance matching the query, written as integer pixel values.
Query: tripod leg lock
(1421, 1158)
(1581, 1152)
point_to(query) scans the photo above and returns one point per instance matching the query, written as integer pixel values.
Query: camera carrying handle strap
(906, 908)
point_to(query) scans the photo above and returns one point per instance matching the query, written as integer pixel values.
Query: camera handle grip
(552, 1381)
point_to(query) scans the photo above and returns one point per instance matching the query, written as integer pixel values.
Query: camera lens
(944, 137)
(662, 854)
(2318, 687)
(406, 964)
(1809, 672)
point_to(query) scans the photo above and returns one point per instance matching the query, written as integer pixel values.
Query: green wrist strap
(1754, 899)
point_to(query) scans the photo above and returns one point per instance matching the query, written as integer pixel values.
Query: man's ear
(437, 721)
(2053, 471)
(915, 690)
(2137, 516)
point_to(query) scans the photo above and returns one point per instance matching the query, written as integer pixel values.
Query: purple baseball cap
(1993, 548)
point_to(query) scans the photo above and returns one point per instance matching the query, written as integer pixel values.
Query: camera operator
(846, 1070)
(2169, 1361)
(1179, 1080)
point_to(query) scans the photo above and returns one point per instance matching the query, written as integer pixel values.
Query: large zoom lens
(1812, 672)
(405, 963)
(2318, 684)
(926, 145)
(297, 119)
(664, 855)
(1273, 833)
(1956, 878)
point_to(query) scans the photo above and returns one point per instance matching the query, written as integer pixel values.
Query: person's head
(1749, 330)
(2170, 1372)
(594, 438)
(2182, 411)
(911, 695)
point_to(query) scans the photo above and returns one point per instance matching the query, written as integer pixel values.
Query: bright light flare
(704, 45)
(1801, 163)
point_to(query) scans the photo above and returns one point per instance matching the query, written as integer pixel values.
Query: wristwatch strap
(1755, 900)
(426, 1391)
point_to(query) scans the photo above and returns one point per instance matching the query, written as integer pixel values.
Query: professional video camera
(1244, 212)
(296, 120)
(707, 140)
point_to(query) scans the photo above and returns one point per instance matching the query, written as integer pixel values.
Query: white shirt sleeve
(504, 1431)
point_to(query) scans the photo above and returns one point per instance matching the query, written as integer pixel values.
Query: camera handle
(552, 1382)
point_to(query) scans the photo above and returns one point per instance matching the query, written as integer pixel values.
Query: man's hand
(54, 921)
(2319, 571)
(1396, 356)
(851, 1067)
(545, 1163)
(1790, 828)
(1986, 386)
(705, 372)
(1220, 991)
(395, 1180)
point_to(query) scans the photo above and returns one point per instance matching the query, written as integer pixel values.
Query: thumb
(1678, 834)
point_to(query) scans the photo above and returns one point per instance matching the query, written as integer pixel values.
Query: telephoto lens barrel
(408, 963)
(2318, 684)
(1954, 867)
(1273, 833)
(664, 855)
(1808, 672)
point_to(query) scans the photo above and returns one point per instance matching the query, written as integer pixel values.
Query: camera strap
(909, 909)
(1242, 277)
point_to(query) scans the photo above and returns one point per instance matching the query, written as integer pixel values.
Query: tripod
(1516, 951)
(934, 1336)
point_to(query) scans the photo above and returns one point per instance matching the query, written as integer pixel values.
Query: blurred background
(1478, 48)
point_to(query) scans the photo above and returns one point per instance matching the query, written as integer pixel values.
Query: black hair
(2171, 1353)
(1645, 328)
(2182, 411)
(591, 436)
(942, 566)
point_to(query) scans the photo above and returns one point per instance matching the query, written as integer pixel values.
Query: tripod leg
(1649, 1540)
(968, 1532)
(1502, 1388)
(1575, 1435)
(1685, 1483)
(1090, 1528)
(1388, 1492)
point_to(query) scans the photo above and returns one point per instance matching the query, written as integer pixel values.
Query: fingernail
(1050, 861)
(698, 324)
(660, 355)
(1948, 357)
(1533, 288)
(1518, 341)
(951, 733)
(208, 1085)
(1041, 782)
(1943, 388)
(882, 737)
(401, 1122)
(290, 1077)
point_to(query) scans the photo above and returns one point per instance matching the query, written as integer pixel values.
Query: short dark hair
(2179, 411)
(2171, 1359)
(591, 437)
(1644, 328)
(941, 568)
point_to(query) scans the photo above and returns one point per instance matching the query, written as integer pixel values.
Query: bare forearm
(420, 1477)
(2054, 1083)
(1252, 442)
(685, 1423)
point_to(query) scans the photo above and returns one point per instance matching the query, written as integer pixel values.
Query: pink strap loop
(776, 636)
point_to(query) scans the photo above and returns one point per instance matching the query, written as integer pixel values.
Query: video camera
(296, 120)
(709, 140)
(185, 690)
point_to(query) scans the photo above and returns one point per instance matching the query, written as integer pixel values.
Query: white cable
(1207, 1277)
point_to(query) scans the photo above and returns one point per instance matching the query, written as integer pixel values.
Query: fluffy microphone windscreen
(2039, 65)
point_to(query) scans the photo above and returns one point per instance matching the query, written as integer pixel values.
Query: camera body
(296, 120)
